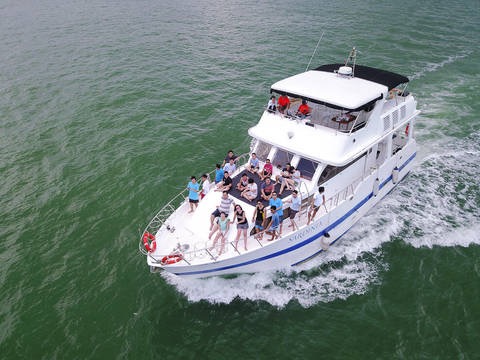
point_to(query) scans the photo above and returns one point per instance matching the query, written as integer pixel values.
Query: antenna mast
(352, 57)
(314, 51)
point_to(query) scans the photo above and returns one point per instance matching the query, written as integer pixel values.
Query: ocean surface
(108, 107)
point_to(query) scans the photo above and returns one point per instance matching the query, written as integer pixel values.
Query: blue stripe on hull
(305, 242)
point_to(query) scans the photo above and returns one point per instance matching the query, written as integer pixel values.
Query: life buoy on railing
(149, 246)
(395, 175)
(171, 259)
(407, 128)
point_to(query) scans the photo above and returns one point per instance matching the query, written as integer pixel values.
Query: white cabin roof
(331, 88)
(321, 144)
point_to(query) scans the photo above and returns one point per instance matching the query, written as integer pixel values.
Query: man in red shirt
(283, 103)
(304, 109)
(267, 170)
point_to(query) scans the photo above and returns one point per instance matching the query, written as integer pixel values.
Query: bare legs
(240, 232)
(311, 214)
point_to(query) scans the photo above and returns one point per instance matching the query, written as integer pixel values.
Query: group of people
(220, 221)
(283, 105)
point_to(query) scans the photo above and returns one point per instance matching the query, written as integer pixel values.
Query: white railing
(204, 250)
(168, 209)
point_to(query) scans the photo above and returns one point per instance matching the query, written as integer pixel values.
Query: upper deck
(348, 113)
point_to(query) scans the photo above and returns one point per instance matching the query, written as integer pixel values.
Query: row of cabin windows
(308, 167)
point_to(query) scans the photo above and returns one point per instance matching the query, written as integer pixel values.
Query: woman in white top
(251, 192)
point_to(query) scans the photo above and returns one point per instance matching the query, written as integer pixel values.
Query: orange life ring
(149, 246)
(171, 259)
(407, 129)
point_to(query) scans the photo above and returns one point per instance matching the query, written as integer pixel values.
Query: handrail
(161, 216)
(171, 206)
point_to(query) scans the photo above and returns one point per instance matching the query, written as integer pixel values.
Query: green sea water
(107, 108)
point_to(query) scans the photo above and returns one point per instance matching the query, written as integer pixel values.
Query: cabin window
(330, 171)
(262, 150)
(307, 168)
(282, 157)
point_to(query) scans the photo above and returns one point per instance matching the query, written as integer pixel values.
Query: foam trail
(434, 206)
(435, 66)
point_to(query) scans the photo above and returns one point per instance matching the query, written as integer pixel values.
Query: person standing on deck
(193, 190)
(278, 204)
(205, 185)
(259, 217)
(242, 225)
(317, 201)
(295, 204)
(272, 228)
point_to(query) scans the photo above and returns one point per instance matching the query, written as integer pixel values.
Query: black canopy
(387, 78)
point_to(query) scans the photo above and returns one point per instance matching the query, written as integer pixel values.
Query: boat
(354, 145)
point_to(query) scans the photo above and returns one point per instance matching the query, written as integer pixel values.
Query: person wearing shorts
(317, 201)
(193, 190)
(272, 228)
(224, 206)
(259, 217)
(266, 189)
(222, 225)
(242, 225)
(295, 204)
(277, 202)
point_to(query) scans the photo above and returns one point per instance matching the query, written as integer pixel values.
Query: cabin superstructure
(362, 114)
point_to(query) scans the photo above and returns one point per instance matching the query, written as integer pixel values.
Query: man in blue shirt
(193, 190)
(277, 202)
(275, 222)
(218, 173)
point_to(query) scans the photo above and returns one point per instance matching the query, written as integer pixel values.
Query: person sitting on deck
(272, 228)
(283, 103)
(253, 165)
(266, 189)
(222, 225)
(259, 216)
(303, 110)
(266, 171)
(224, 206)
(243, 182)
(230, 155)
(292, 181)
(230, 167)
(251, 192)
(225, 184)
(286, 174)
(272, 105)
(317, 201)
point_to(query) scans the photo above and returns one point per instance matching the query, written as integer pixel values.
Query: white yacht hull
(306, 243)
